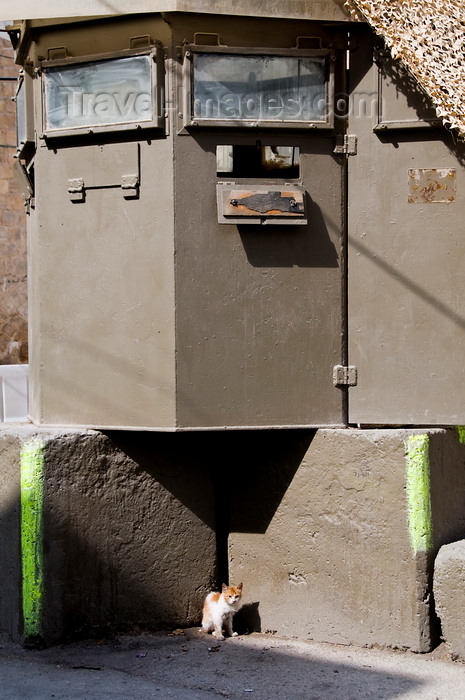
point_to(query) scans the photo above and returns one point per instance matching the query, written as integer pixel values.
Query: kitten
(219, 610)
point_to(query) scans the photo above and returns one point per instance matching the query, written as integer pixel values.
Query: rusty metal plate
(431, 185)
(253, 203)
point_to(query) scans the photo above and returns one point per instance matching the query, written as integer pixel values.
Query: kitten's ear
(240, 586)
(223, 587)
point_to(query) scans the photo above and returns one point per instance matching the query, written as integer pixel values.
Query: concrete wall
(126, 533)
(333, 532)
(123, 528)
(339, 547)
(13, 274)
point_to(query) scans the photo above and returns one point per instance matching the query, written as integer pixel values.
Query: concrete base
(332, 545)
(333, 532)
(123, 533)
(449, 594)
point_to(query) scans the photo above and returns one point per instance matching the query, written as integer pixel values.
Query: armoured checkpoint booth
(228, 224)
(185, 218)
(248, 220)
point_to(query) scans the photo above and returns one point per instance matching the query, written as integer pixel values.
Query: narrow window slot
(258, 161)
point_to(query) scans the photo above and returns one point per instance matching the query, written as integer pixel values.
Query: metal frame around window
(382, 123)
(188, 77)
(156, 85)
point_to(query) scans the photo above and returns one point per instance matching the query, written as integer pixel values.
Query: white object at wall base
(13, 393)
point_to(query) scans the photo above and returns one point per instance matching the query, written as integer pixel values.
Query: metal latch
(345, 375)
(348, 147)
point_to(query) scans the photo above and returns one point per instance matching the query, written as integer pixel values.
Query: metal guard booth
(235, 221)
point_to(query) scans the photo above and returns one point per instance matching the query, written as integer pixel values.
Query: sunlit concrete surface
(194, 666)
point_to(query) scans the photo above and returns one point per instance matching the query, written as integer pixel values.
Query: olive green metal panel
(49, 39)
(259, 308)
(406, 248)
(148, 312)
(103, 329)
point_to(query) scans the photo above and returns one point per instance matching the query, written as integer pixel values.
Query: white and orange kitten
(219, 610)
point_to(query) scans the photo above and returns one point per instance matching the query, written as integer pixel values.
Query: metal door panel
(406, 247)
(259, 308)
(103, 333)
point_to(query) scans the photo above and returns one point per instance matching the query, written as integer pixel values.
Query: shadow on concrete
(263, 475)
(184, 463)
(260, 667)
(129, 533)
(247, 619)
(136, 525)
(253, 468)
(10, 561)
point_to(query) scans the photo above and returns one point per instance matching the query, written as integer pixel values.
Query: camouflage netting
(429, 37)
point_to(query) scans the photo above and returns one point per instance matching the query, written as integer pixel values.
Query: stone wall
(13, 264)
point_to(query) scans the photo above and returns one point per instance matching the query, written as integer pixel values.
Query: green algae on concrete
(32, 468)
(418, 493)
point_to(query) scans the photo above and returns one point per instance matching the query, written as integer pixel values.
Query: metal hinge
(76, 189)
(345, 376)
(129, 186)
(348, 147)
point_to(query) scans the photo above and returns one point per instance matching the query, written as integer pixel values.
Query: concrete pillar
(336, 540)
(103, 530)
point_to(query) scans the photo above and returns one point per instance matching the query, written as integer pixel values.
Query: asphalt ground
(193, 666)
